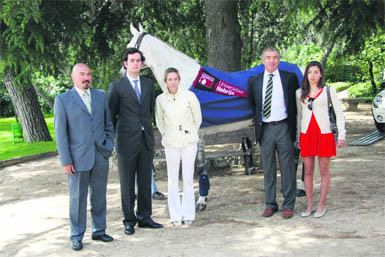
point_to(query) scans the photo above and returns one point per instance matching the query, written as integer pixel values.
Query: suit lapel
(94, 100)
(78, 101)
(260, 88)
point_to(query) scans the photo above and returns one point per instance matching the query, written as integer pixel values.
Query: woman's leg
(188, 203)
(324, 163)
(173, 156)
(309, 172)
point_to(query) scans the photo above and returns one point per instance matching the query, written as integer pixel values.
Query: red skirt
(313, 143)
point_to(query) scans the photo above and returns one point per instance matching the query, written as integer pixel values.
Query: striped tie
(268, 96)
(87, 101)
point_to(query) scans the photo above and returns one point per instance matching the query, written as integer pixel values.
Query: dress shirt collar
(80, 92)
(131, 79)
(275, 73)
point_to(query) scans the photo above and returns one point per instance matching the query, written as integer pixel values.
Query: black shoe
(300, 192)
(158, 196)
(129, 230)
(149, 224)
(103, 238)
(77, 245)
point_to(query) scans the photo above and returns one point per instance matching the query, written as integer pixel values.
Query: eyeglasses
(310, 105)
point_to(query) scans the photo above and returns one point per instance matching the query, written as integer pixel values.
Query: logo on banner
(206, 80)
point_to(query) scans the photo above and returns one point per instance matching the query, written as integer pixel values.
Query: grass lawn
(9, 150)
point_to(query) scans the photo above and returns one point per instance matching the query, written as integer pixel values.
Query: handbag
(332, 114)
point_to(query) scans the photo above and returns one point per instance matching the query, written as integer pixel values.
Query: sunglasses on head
(310, 103)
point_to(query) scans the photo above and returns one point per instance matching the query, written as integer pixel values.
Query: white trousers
(185, 209)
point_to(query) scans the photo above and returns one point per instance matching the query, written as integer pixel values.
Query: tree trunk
(327, 53)
(374, 87)
(27, 108)
(43, 95)
(223, 35)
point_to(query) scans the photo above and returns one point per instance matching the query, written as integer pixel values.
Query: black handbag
(332, 114)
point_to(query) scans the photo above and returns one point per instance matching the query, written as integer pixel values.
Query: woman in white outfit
(178, 118)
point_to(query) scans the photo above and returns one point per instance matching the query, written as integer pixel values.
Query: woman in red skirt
(314, 134)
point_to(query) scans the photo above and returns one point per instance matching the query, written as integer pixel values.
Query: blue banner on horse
(218, 109)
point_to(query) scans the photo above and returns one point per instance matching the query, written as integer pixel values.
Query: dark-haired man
(131, 100)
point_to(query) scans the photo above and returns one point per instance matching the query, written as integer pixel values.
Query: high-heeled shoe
(307, 213)
(320, 214)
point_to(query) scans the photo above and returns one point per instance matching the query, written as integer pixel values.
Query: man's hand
(341, 143)
(69, 169)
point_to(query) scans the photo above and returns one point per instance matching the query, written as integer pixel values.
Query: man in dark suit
(84, 138)
(272, 97)
(131, 101)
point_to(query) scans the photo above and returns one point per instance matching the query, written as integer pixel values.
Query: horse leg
(203, 178)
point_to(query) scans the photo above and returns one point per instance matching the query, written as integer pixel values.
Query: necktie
(87, 101)
(137, 89)
(268, 95)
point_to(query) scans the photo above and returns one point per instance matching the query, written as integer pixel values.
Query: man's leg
(268, 149)
(98, 190)
(78, 187)
(127, 163)
(285, 149)
(144, 174)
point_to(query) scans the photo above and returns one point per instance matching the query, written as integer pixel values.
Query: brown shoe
(269, 212)
(287, 213)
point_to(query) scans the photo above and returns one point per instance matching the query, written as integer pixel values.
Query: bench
(243, 136)
(353, 102)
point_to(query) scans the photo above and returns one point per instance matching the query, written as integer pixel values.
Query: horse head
(160, 56)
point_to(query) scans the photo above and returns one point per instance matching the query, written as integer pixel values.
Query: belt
(274, 123)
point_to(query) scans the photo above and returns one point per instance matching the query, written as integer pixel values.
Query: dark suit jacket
(128, 115)
(78, 133)
(290, 85)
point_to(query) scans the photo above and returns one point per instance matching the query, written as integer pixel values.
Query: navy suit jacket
(290, 85)
(78, 133)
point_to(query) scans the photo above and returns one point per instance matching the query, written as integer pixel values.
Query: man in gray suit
(272, 97)
(84, 138)
(131, 101)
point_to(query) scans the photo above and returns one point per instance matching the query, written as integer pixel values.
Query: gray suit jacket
(129, 115)
(78, 133)
(290, 85)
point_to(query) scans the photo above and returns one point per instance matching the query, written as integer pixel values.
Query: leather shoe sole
(104, 238)
(269, 212)
(77, 245)
(129, 230)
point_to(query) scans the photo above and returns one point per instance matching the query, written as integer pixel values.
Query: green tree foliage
(262, 25)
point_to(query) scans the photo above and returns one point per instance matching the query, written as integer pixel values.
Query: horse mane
(179, 53)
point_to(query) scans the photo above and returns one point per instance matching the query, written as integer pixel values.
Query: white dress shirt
(278, 107)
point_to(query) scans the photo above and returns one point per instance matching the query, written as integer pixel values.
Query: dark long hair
(305, 82)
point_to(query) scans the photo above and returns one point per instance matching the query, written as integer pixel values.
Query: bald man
(84, 138)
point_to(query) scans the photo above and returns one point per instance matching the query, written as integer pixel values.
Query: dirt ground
(34, 212)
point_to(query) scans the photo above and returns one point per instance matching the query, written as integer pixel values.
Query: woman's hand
(341, 143)
(296, 145)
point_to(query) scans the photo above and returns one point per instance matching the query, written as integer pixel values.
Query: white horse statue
(225, 106)
(160, 56)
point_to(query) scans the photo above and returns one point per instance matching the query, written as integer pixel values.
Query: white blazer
(320, 110)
